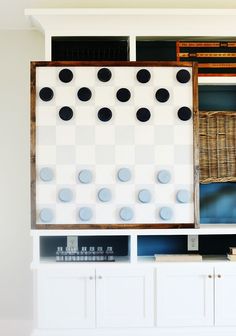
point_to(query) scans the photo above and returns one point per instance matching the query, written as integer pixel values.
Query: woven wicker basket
(217, 153)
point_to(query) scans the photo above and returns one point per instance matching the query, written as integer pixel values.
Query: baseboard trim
(196, 331)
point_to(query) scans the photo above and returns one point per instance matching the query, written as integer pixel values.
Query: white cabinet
(184, 295)
(66, 299)
(125, 297)
(196, 294)
(114, 297)
(225, 294)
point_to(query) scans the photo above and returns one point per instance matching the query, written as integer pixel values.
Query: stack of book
(232, 254)
(177, 257)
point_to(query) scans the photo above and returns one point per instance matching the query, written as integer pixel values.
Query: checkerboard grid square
(187, 177)
(184, 213)
(66, 213)
(40, 206)
(85, 76)
(124, 76)
(66, 135)
(66, 174)
(146, 213)
(46, 116)
(46, 135)
(105, 214)
(65, 95)
(45, 155)
(85, 194)
(46, 193)
(105, 96)
(65, 154)
(46, 76)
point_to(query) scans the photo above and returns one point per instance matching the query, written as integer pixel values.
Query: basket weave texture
(217, 150)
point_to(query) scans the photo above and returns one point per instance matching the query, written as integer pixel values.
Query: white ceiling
(12, 11)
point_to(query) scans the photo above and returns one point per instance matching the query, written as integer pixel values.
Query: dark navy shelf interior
(49, 244)
(90, 48)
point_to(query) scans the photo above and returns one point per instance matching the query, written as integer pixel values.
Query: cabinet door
(125, 297)
(184, 295)
(66, 299)
(225, 294)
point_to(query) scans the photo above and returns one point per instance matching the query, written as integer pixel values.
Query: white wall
(17, 48)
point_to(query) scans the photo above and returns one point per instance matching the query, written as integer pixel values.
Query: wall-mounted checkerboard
(113, 143)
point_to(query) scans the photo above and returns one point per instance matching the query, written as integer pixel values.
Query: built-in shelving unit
(128, 244)
(128, 297)
(140, 42)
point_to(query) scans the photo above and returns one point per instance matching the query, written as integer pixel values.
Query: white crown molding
(134, 21)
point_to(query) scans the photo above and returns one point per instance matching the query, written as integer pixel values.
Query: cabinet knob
(219, 276)
(99, 277)
(90, 277)
(209, 276)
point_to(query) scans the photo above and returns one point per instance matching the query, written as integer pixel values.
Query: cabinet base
(193, 331)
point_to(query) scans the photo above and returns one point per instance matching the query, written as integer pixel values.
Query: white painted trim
(204, 229)
(128, 11)
(197, 331)
(132, 48)
(133, 248)
(126, 21)
(48, 46)
(215, 80)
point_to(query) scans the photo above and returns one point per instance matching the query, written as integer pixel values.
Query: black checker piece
(143, 76)
(66, 113)
(46, 94)
(84, 94)
(162, 95)
(143, 114)
(104, 114)
(104, 75)
(184, 113)
(65, 75)
(123, 95)
(183, 76)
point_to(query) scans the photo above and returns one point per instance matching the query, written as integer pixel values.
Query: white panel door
(125, 297)
(225, 294)
(184, 295)
(66, 299)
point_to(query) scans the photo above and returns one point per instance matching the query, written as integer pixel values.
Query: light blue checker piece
(104, 195)
(124, 174)
(164, 176)
(144, 196)
(65, 195)
(166, 213)
(183, 196)
(126, 214)
(46, 174)
(85, 214)
(85, 176)
(46, 215)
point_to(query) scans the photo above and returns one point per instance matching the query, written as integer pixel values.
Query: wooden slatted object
(217, 138)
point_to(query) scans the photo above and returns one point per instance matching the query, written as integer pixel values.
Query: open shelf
(90, 48)
(47, 247)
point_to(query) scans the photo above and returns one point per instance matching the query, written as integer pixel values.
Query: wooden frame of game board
(36, 64)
